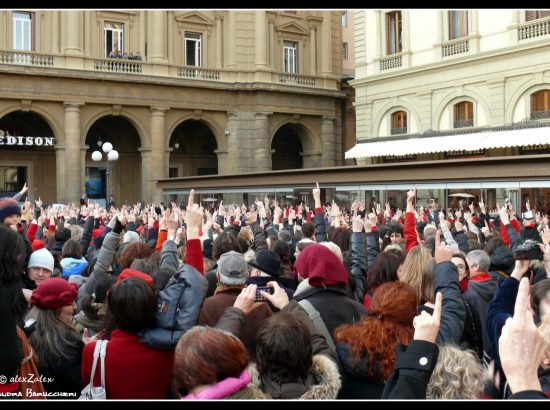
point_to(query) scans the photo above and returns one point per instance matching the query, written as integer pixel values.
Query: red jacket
(411, 238)
(193, 254)
(132, 370)
(504, 234)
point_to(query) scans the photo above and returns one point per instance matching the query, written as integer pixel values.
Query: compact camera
(259, 297)
(528, 251)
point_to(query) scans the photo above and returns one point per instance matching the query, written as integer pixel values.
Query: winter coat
(178, 307)
(72, 266)
(530, 232)
(230, 388)
(358, 265)
(412, 371)
(484, 288)
(81, 321)
(322, 383)
(326, 299)
(358, 382)
(214, 306)
(65, 371)
(101, 267)
(319, 223)
(132, 370)
(373, 246)
(11, 352)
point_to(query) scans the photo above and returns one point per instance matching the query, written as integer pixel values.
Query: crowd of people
(270, 301)
(125, 56)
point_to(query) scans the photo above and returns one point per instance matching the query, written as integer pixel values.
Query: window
(193, 49)
(399, 123)
(458, 24)
(291, 11)
(393, 32)
(114, 39)
(463, 114)
(540, 105)
(344, 18)
(290, 57)
(12, 178)
(22, 31)
(536, 14)
(345, 50)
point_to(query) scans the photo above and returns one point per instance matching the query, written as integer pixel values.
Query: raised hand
(317, 195)
(442, 252)
(358, 224)
(426, 326)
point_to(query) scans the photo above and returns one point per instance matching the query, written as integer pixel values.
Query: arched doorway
(27, 160)
(125, 178)
(287, 149)
(193, 150)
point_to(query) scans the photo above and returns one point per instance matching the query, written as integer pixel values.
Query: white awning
(449, 143)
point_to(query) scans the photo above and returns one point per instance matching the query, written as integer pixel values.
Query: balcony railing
(539, 115)
(393, 61)
(26, 58)
(534, 28)
(455, 47)
(198, 73)
(118, 66)
(295, 79)
(463, 123)
(397, 131)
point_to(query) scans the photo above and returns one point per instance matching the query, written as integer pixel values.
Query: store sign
(26, 141)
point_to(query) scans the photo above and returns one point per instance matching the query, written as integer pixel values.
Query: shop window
(12, 178)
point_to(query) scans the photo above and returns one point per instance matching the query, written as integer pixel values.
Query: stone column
(146, 170)
(60, 173)
(312, 51)
(72, 29)
(260, 54)
(219, 43)
(73, 162)
(380, 51)
(271, 44)
(87, 33)
(157, 36)
(233, 159)
(231, 34)
(222, 161)
(326, 45)
(262, 142)
(327, 138)
(159, 160)
(83, 151)
(55, 31)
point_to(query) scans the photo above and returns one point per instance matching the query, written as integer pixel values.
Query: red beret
(321, 267)
(132, 273)
(54, 293)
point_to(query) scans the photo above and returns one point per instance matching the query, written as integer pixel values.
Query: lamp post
(112, 156)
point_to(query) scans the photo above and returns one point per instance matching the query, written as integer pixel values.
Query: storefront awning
(449, 143)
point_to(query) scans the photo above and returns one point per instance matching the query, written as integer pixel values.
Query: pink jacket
(222, 389)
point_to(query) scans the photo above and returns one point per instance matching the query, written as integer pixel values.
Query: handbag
(96, 393)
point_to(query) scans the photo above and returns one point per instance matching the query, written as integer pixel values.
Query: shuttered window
(393, 32)
(399, 123)
(463, 114)
(540, 104)
(536, 14)
(458, 24)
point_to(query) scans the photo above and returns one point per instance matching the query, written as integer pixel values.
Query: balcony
(26, 58)
(398, 131)
(539, 115)
(534, 28)
(455, 47)
(463, 123)
(389, 62)
(114, 65)
(198, 73)
(296, 79)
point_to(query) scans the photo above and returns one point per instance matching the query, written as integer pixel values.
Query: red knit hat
(54, 293)
(321, 267)
(37, 244)
(132, 273)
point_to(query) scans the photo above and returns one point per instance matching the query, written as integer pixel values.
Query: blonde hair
(413, 268)
(334, 248)
(458, 374)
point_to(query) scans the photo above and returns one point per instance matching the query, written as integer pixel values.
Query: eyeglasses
(461, 266)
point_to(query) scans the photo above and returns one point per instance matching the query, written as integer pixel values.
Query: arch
(389, 108)
(44, 115)
(526, 89)
(210, 122)
(132, 119)
(310, 141)
(454, 97)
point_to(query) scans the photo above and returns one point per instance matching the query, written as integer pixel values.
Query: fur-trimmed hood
(323, 382)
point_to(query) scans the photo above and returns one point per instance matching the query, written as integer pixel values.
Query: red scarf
(481, 278)
(463, 285)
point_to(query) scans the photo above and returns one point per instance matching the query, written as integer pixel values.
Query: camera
(259, 297)
(528, 251)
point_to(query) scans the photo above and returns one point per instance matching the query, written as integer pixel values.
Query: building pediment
(292, 27)
(194, 17)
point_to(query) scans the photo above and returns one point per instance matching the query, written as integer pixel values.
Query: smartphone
(259, 297)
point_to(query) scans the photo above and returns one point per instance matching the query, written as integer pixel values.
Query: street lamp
(112, 156)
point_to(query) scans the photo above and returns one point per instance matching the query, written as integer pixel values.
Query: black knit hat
(62, 235)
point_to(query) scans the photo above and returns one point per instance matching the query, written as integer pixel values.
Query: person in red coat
(132, 370)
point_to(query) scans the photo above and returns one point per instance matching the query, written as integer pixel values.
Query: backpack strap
(102, 354)
(317, 320)
(97, 350)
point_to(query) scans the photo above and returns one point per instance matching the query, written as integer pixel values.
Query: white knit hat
(130, 237)
(41, 258)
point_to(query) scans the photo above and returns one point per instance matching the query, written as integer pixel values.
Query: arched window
(540, 104)
(399, 123)
(463, 114)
